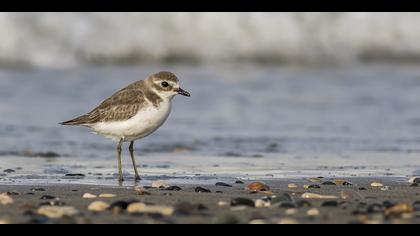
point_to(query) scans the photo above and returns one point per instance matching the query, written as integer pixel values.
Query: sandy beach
(308, 201)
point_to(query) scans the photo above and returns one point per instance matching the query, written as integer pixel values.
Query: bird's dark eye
(165, 84)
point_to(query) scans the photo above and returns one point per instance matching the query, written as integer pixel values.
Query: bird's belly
(142, 124)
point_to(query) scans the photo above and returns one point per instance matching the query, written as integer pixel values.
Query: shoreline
(393, 202)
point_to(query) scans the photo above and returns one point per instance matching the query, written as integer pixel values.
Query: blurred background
(74, 39)
(336, 92)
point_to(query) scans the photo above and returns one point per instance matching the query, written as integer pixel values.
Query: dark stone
(362, 189)
(75, 175)
(121, 204)
(173, 188)
(48, 197)
(221, 184)
(330, 204)
(329, 183)
(37, 189)
(202, 190)
(347, 184)
(281, 199)
(416, 181)
(8, 171)
(219, 191)
(242, 202)
(12, 193)
(414, 185)
(314, 186)
(52, 203)
(239, 182)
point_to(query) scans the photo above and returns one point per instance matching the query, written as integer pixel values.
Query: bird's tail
(81, 120)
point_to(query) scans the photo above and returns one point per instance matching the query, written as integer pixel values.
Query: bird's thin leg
(120, 176)
(131, 148)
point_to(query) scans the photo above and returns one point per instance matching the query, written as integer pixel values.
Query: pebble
(159, 184)
(202, 190)
(341, 182)
(317, 196)
(399, 209)
(385, 188)
(75, 175)
(89, 196)
(13, 193)
(292, 186)
(57, 211)
(48, 197)
(287, 221)
(141, 191)
(258, 187)
(173, 188)
(221, 184)
(6, 199)
(312, 186)
(98, 206)
(239, 182)
(283, 198)
(329, 183)
(242, 202)
(222, 203)
(259, 203)
(52, 203)
(143, 208)
(37, 189)
(8, 171)
(313, 212)
(121, 204)
(414, 180)
(107, 195)
(376, 184)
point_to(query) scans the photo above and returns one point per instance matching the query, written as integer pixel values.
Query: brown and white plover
(134, 112)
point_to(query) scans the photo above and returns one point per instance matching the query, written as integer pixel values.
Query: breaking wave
(69, 39)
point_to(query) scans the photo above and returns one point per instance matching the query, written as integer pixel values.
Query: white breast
(145, 122)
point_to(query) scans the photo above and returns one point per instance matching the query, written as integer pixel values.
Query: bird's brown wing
(123, 105)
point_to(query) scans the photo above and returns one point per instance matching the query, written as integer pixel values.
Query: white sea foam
(68, 39)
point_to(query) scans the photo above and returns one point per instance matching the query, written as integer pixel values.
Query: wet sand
(357, 202)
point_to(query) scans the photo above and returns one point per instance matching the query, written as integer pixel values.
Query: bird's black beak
(183, 92)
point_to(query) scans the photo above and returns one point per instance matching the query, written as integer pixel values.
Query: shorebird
(133, 112)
